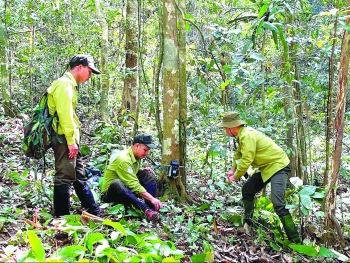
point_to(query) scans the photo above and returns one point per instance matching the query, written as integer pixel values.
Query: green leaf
(257, 56)
(225, 84)
(115, 225)
(155, 257)
(284, 42)
(210, 218)
(307, 250)
(306, 201)
(198, 258)
(135, 259)
(203, 207)
(188, 16)
(275, 247)
(304, 210)
(171, 260)
(209, 257)
(340, 256)
(85, 150)
(207, 247)
(308, 190)
(135, 240)
(36, 245)
(263, 10)
(270, 26)
(187, 26)
(114, 254)
(326, 253)
(92, 239)
(71, 252)
(317, 195)
(115, 209)
(275, 39)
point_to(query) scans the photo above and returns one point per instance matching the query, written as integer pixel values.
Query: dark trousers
(68, 171)
(118, 193)
(278, 187)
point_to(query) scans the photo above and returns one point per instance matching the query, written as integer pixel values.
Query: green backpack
(38, 131)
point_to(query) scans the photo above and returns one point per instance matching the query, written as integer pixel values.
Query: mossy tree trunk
(171, 82)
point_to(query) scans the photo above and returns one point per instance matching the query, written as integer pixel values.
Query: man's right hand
(73, 151)
(230, 175)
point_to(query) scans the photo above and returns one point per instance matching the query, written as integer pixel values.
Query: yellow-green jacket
(259, 151)
(124, 167)
(63, 99)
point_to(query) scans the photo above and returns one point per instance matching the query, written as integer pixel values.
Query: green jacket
(124, 167)
(259, 151)
(63, 99)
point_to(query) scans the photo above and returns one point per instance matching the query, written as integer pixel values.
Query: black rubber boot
(248, 211)
(61, 200)
(290, 228)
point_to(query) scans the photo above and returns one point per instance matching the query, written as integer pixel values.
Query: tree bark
(331, 223)
(171, 81)
(131, 85)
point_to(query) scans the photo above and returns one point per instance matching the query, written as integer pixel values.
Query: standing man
(62, 101)
(125, 183)
(259, 151)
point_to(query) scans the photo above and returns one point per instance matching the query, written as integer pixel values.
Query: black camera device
(174, 169)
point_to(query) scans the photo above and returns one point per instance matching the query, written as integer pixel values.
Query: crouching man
(125, 182)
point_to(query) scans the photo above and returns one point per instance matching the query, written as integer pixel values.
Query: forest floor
(230, 242)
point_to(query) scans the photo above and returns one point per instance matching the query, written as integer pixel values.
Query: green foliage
(308, 195)
(36, 245)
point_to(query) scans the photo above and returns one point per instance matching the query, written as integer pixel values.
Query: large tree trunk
(331, 222)
(171, 129)
(131, 86)
(104, 110)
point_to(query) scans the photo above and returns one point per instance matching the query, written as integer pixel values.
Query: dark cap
(85, 60)
(145, 139)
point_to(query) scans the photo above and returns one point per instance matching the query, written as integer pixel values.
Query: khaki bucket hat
(231, 119)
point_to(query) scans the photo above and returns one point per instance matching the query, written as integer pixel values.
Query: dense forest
(171, 68)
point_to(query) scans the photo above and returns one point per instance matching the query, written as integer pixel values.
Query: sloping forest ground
(209, 231)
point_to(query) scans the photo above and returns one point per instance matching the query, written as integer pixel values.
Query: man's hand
(73, 151)
(231, 175)
(157, 204)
